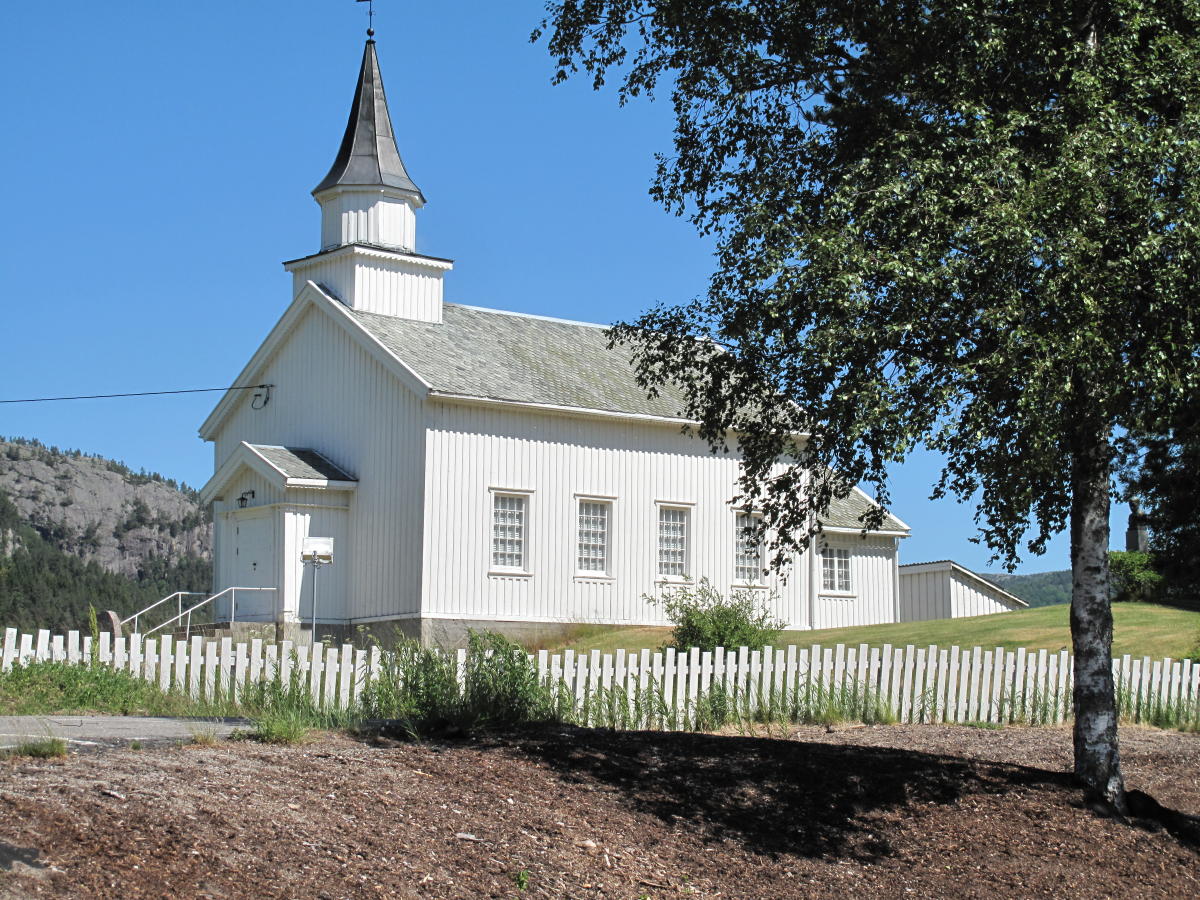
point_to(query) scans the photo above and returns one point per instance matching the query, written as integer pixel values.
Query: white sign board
(317, 550)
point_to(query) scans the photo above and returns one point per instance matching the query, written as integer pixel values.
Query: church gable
(310, 300)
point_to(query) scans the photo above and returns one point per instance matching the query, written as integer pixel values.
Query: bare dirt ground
(865, 812)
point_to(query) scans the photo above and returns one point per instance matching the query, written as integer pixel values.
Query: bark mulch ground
(865, 812)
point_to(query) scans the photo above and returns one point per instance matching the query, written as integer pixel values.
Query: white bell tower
(369, 204)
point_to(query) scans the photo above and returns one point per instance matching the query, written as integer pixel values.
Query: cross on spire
(370, 16)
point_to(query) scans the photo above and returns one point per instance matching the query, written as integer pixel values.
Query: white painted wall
(365, 215)
(226, 516)
(970, 598)
(332, 396)
(943, 591)
(473, 450)
(300, 520)
(924, 596)
(871, 599)
(377, 281)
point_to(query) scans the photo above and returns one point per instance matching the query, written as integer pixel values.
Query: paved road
(82, 732)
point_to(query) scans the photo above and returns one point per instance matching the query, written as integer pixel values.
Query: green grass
(285, 712)
(1140, 629)
(44, 748)
(47, 688)
(283, 726)
(282, 713)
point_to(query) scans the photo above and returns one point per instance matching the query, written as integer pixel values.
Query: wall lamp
(245, 498)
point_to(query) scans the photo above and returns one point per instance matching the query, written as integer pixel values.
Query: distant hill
(76, 528)
(1040, 589)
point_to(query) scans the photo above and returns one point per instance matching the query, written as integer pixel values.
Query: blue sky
(158, 159)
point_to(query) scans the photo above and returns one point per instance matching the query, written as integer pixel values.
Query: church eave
(390, 252)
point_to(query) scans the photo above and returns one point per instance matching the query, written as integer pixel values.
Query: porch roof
(284, 467)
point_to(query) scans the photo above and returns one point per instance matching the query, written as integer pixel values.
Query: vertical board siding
(971, 598)
(942, 591)
(369, 281)
(871, 598)
(367, 217)
(474, 450)
(332, 396)
(924, 596)
(398, 288)
(299, 580)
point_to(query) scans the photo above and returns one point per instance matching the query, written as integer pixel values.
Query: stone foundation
(446, 633)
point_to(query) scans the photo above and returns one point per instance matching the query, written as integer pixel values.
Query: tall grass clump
(37, 748)
(817, 703)
(284, 711)
(1177, 713)
(704, 617)
(420, 693)
(724, 705)
(634, 708)
(43, 688)
(1035, 704)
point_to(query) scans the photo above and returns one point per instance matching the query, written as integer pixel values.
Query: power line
(251, 387)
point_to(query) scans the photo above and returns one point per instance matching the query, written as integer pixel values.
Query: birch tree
(963, 225)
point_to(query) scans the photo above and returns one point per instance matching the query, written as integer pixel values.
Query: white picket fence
(914, 684)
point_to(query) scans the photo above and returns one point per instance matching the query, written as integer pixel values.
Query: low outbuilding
(945, 590)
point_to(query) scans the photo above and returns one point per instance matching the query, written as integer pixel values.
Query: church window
(835, 569)
(508, 531)
(673, 540)
(747, 549)
(592, 553)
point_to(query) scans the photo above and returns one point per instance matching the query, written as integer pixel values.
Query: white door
(254, 566)
(254, 551)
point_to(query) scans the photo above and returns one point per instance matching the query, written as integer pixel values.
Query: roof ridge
(521, 315)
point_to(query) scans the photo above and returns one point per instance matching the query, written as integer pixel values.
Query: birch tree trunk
(1097, 759)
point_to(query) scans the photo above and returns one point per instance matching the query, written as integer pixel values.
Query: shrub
(1133, 576)
(705, 618)
(419, 690)
(283, 726)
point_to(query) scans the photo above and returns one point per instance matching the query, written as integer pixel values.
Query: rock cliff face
(101, 511)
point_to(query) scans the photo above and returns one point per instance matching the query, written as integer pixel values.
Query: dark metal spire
(368, 155)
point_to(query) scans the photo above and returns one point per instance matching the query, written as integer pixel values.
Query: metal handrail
(188, 612)
(177, 596)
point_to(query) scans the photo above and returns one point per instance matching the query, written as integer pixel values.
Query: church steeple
(368, 155)
(368, 197)
(369, 204)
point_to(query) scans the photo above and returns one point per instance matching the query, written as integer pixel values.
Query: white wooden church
(474, 467)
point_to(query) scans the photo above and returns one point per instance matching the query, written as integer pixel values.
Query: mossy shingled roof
(525, 359)
(848, 511)
(301, 462)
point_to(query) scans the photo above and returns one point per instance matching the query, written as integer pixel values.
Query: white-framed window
(674, 540)
(510, 531)
(747, 549)
(594, 530)
(835, 569)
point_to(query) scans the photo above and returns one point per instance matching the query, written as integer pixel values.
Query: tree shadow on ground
(779, 797)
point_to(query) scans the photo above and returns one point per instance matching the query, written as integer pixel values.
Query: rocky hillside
(79, 531)
(101, 511)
